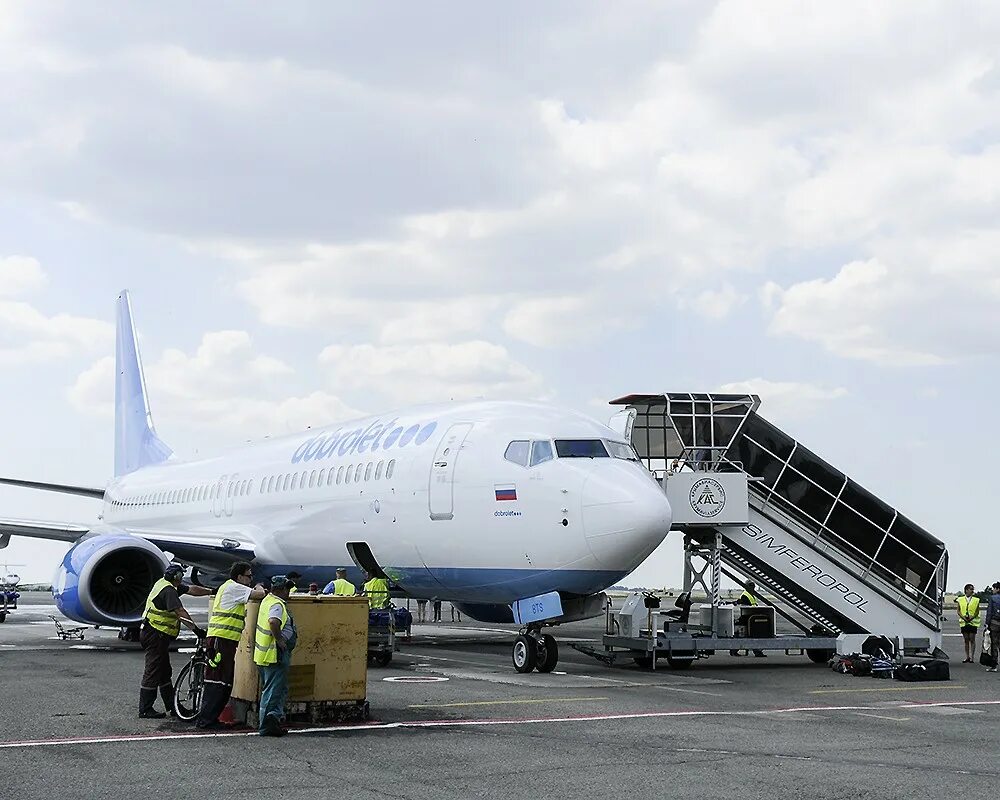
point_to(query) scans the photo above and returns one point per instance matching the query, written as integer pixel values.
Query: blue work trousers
(274, 687)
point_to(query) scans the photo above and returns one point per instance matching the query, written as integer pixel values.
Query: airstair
(750, 498)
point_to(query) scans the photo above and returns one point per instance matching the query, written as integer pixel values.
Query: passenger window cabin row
(334, 476)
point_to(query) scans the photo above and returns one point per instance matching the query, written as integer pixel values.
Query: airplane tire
(3, 616)
(525, 653)
(382, 659)
(646, 662)
(549, 654)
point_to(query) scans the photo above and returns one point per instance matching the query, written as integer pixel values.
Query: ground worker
(160, 626)
(969, 619)
(340, 586)
(272, 653)
(293, 579)
(225, 627)
(748, 598)
(377, 590)
(993, 624)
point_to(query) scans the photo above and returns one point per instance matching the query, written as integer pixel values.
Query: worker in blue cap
(273, 645)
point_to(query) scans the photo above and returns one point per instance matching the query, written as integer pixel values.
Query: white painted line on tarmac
(889, 689)
(415, 679)
(883, 716)
(509, 702)
(945, 711)
(466, 723)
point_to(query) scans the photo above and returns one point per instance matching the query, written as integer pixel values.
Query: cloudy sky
(330, 208)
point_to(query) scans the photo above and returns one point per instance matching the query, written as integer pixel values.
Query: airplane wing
(201, 549)
(38, 529)
(83, 491)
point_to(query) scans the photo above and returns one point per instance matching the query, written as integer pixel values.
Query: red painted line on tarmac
(459, 723)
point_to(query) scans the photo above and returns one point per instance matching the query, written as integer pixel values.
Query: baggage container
(328, 676)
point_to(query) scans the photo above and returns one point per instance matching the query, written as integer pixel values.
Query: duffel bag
(936, 670)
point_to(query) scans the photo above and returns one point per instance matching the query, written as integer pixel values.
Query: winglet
(136, 442)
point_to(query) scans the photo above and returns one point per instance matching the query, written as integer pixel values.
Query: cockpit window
(581, 448)
(621, 450)
(518, 453)
(541, 451)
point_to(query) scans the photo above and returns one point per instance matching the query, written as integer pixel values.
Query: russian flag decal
(506, 492)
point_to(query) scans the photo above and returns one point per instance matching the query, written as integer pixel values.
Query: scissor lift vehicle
(751, 500)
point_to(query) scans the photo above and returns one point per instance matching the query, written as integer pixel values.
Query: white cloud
(224, 385)
(406, 374)
(28, 336)
(20, 274)
(786, 400)
(565, 320)
(714, 305)
(938, 309)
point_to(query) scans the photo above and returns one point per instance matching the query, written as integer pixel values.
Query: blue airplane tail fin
(136, 442)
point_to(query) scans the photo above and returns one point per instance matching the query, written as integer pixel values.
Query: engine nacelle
(105, 579)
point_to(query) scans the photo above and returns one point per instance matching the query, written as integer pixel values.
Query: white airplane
(514, 511)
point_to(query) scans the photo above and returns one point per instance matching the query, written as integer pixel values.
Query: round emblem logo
(708, 498)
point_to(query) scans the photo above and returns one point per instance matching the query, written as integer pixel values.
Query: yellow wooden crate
(330, 661)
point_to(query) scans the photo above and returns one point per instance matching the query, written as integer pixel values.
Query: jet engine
(105, 579)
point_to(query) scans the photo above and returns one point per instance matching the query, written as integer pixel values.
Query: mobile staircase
(751, 500)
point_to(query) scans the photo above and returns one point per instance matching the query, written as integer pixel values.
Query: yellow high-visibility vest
(969, 607)
(164, 621)
(265, 651)
(343, 587)
(227, 624)
(748, 596)
(377, 590)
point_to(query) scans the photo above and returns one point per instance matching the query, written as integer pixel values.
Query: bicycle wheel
(188, 690)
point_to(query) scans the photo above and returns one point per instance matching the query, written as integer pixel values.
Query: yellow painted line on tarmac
(889, 689)
(508, 702)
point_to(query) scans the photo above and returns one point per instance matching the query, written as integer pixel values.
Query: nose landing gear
(534, 650)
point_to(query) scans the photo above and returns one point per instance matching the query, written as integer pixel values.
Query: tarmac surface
(461, 723)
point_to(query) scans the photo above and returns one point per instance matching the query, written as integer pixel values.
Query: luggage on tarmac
(986, 657)
(883, 668)
(861, 667)
(934, 670)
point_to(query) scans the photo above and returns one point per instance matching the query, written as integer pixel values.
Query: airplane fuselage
(445, 502)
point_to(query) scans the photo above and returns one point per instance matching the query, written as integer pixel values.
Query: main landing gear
(535, 650)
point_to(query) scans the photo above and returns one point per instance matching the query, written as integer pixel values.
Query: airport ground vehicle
(8, 592)
(384, 625)
(751, 502)
(190, 684)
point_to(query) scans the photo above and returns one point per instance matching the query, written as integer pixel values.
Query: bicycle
(190, 685)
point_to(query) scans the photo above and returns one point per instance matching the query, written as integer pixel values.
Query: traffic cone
(226, 717)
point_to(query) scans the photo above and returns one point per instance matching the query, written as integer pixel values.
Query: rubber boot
(213, 699)
(167, 693)
(146, 699)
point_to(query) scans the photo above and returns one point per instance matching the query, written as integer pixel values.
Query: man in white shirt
(225, 627)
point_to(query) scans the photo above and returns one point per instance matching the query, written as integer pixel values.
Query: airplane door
(234, 482)
(441, 497)
(218, 502)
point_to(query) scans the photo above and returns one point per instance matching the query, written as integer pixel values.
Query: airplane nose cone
(625, 516)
